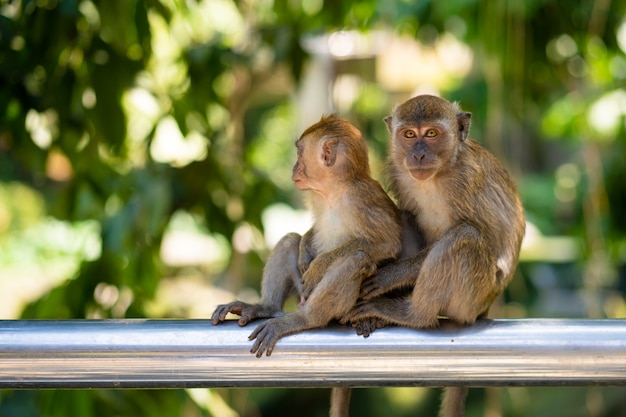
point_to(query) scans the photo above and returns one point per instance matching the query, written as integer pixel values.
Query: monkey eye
(431, 133)
(409, 134)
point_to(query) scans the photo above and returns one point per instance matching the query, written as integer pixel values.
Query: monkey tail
(453, 402)
(340, 402)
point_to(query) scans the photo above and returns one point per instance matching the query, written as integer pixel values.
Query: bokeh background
(146, 150)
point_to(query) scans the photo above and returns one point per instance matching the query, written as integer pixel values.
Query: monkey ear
(329, 152)
(388, 120)
(464, 119)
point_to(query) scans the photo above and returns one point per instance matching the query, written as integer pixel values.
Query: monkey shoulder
(482, 178)
(495, 206)
(372, 204)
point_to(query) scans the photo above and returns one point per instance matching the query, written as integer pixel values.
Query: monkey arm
(332, 298)
(280, 278)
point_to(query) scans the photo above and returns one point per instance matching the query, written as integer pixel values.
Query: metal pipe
(193, 353)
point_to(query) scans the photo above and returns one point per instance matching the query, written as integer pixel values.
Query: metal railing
(192, 353)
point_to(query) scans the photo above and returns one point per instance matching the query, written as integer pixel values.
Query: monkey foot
(367, 326)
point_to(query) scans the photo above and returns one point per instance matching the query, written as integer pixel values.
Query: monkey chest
(332, 230)
(433, 214)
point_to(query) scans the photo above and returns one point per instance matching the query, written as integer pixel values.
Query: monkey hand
(312, 277)
(304, 260)
(247, 312)
(305, 255)
(383, 281)
(267, 334)
(373, 287)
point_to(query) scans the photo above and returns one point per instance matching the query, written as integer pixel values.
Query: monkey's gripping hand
(247, 312)
(313, 275)
(391, 277)
(268, 333)
(305, 254)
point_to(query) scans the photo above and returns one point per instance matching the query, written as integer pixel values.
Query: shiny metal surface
(193, 353)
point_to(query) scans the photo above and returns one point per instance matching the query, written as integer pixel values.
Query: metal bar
(193, 353)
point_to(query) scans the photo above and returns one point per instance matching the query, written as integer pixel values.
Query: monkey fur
(356, 228)
(463, 227)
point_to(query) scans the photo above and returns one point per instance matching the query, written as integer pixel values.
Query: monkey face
(420, 145)
(330, 152)
(316, 159)
(422, 148)
(426, 134)
(299, 175)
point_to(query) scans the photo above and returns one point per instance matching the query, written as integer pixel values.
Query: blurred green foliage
(117, 114)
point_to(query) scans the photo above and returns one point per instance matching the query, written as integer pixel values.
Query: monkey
(462, 217)
(356, 228)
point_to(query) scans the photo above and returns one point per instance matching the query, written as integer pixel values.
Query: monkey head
(329, 152)
(426, 133)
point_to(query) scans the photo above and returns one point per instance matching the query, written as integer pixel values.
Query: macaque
(463, 227)
(356, 228)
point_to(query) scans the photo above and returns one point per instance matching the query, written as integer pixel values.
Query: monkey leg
(457, 279)
(280, 278)
(335, 295)
(280, 275)
(340, 402)
(453, 402)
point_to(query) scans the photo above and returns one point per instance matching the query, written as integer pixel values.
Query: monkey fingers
(307, 289)
(259, 311)
(304, 261)
(219, 315)
(370, 288)
(310, 280)
(247, 312)
(385, 280)
(266, 335)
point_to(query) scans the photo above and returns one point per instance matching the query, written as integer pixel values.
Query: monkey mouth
(300, 185)
(422, 173)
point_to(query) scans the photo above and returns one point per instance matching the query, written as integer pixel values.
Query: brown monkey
(356, 228)
(462, 207)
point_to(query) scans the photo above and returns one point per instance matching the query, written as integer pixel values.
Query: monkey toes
(266, 335)
(367, 326)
